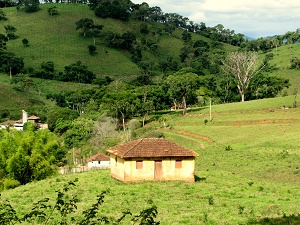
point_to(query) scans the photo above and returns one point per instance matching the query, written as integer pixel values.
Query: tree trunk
(184, 105)
(144, 118)
(123, 120)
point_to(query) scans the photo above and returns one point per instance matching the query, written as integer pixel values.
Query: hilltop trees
(113, 9)
(243, 66)
(30, 5)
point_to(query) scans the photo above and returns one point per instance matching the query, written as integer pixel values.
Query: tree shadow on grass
(284, 220)
(199, 179)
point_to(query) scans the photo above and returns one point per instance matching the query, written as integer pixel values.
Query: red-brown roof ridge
(151, 147)
(99, 157)
(33, 117)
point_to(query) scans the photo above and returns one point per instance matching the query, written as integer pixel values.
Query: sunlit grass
(257, 177)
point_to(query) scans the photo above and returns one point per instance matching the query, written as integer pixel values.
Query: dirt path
(193, 135)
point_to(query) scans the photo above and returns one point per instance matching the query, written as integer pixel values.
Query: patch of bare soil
(251, 122)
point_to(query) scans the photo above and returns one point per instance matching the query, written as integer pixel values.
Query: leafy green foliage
(113, 9)
(31, 5)
(22, 82)
(92, 49)
(10, 31)
(77, 72)
(295, 63)
(2, 15)
(85, 24)
(52, 11)
(28, 155)
(10, 63)
(182, 86)
(266, 86)
(25, 42)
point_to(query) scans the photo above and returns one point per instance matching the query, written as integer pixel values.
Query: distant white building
(20, 123)
(100, 161)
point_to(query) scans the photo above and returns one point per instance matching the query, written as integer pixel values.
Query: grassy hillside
(248, 168)
(55, 38)
(281, 60)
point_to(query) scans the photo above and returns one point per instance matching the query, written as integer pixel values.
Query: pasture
(248, 170)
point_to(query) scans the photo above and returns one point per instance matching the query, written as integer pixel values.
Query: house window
(99, 162)
(178, 164)
(139, 164)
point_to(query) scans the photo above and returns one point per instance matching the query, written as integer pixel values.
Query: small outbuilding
(98, 161)
(152, 159)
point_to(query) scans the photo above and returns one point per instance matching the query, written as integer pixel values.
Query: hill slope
(55, 38)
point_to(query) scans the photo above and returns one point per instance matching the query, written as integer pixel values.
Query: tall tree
(85, 24)
(10, 31)
(182, 85)
(243, 66)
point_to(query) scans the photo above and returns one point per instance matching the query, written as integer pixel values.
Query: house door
(157, 169)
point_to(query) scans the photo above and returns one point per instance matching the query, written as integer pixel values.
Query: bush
(92, 49)
(10, 183)
(153, 134)
(134, 124)
(25, 42)
(52, 11)
(295, 63)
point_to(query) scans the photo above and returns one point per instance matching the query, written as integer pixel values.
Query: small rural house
(20, 123)
(98, 161)
(152, 159)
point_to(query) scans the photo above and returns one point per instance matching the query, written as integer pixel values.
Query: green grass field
(249, 167)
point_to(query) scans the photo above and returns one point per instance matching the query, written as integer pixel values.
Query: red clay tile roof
(98, 157)
(150, 147)
(33, 117)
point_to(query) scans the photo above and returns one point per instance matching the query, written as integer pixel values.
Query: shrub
(210, 200)
(52, 11)
(92, 49)
(25, 42)
(228, 148)
(10, 183)
(134, 124)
